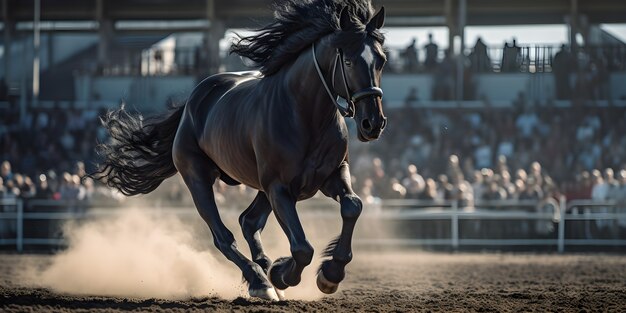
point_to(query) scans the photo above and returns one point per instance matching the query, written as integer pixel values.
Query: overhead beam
(247, 12)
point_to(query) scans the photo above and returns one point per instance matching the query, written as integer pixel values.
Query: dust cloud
(138, 254)
(145, 254)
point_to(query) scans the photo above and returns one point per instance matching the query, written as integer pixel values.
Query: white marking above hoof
(325, 285)
(281, 294)
(266, 294)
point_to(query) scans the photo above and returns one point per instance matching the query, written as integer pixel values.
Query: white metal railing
(387, 210)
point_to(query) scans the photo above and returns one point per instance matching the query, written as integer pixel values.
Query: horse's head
(360, 61)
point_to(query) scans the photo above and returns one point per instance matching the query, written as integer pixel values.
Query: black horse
(279, 130)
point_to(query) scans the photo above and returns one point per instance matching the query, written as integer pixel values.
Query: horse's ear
(344, 19)
(378, 20)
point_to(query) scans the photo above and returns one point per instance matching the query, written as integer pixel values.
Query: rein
(351, 98)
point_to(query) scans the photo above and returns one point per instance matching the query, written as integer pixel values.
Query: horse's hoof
(275, 272)
(281, 294)
(264, 293)
(325, 285)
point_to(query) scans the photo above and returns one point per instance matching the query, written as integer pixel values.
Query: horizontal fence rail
(14, 212)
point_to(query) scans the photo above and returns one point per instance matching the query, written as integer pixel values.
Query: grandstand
(486, 146)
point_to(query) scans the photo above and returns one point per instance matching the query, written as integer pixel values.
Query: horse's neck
(304, 84)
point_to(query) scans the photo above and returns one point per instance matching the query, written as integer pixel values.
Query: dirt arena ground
(415, 281)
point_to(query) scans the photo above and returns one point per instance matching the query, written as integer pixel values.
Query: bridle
(352, 98)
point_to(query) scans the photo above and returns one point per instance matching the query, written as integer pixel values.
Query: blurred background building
(471, 119)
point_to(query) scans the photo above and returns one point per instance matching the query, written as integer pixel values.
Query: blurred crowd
(469, 155)
(495, 154)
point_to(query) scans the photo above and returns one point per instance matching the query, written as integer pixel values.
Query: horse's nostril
(366, 124)
(384, 123)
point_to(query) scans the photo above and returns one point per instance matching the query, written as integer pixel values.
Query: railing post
(19, 241)
(454, 228)
(561, 229)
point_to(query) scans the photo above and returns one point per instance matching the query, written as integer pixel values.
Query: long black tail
(139, 155)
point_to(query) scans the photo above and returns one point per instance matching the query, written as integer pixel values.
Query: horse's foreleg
(199, 175)
(287, 271)
(252, 222)
(332, 271)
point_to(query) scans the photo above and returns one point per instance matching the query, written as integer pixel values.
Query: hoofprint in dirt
(388, 281)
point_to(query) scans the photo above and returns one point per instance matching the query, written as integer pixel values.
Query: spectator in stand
(511, 57)
(454, 167)
(79, 169)
(462, 191)
(609, 177)
(563, 66)
(44, 192)
(494, 192)
(410, 57)
(3, 189)
(71, 188)
(601, 188)
(480, 62)
(395, 191)
(536, 173)
(445, 188)
(507, 185)
(380, 182)
(11, 191)
(431, 48)
(532, 191)
(478, 185)
(366, 192)
(413, 183)
(25, 185)
(430, 191)
(501, 165)
(444, 78)
(622, 185)
(89, 189)
(5, 171)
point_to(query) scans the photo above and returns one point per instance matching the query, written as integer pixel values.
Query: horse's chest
(318, 166)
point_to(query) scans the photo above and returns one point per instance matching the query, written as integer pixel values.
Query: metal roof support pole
(450, 22)
(105, 33)
(215, 33)
(460, 67)
(8, 39)
(36, 44)
(573, 25)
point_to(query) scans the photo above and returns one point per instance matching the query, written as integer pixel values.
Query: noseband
(352, 98)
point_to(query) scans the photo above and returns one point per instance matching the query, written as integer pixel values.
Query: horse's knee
(302, 253)
(351, 207)
(225, 243)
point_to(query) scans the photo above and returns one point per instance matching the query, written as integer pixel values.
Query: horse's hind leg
(332, 271)
(252, 222)
(199, 173)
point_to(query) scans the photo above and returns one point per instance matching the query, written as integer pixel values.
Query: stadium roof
(249, 13)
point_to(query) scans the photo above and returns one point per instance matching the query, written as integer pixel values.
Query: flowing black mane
(298, 24)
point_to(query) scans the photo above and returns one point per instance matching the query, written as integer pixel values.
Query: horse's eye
(347, 62)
